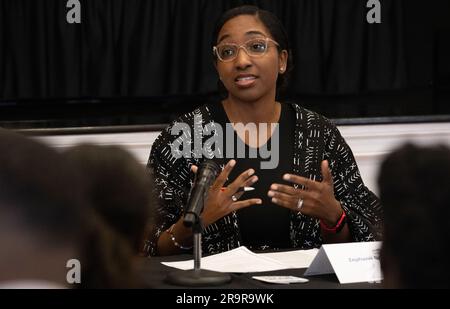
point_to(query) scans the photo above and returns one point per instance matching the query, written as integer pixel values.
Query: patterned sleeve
(173, 181)
(361, 206)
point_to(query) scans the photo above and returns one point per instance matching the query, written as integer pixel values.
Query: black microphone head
(209, 164)
(204, 178)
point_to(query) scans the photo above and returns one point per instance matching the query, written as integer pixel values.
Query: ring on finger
(234, 198)
(300, 204)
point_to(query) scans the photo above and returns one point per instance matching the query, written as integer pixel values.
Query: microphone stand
(197, 277)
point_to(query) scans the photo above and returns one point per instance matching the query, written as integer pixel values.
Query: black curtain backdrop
(145, 48)
(147, 61)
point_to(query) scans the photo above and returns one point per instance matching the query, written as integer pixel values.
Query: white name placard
(351, 262)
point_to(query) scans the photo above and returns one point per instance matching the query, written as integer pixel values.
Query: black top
(267, 225)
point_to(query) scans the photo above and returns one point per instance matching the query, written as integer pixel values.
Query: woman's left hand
(315, 200)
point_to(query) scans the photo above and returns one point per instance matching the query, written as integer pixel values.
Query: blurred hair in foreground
(414, 187)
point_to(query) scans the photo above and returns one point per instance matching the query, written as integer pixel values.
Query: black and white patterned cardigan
(316, 139)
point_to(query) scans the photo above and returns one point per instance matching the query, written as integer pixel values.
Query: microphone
(206, 174)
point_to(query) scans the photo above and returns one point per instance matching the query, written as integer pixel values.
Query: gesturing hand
(316, 199)
(219, 202)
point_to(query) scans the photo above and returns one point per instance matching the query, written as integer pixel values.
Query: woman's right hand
(219, 202)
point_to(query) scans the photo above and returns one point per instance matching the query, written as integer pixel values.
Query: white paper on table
(295, 259)
(281, 279)
(239, 260)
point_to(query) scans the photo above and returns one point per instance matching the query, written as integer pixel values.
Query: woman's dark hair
(276, 29)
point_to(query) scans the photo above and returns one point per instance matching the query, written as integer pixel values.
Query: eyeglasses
(254, 48)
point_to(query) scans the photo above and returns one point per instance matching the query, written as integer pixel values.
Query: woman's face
(249, 78)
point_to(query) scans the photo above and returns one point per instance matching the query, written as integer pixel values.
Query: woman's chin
(247, 96)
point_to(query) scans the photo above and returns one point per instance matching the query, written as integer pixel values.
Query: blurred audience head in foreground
(89, 206)
(42, 205)
(119, 187)
(414, 185)
(121, 191)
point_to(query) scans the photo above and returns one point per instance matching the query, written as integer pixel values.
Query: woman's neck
(262, 111)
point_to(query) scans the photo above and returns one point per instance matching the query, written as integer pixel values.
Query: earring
(281, 70)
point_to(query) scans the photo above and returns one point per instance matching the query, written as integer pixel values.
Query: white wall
(370, 143)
